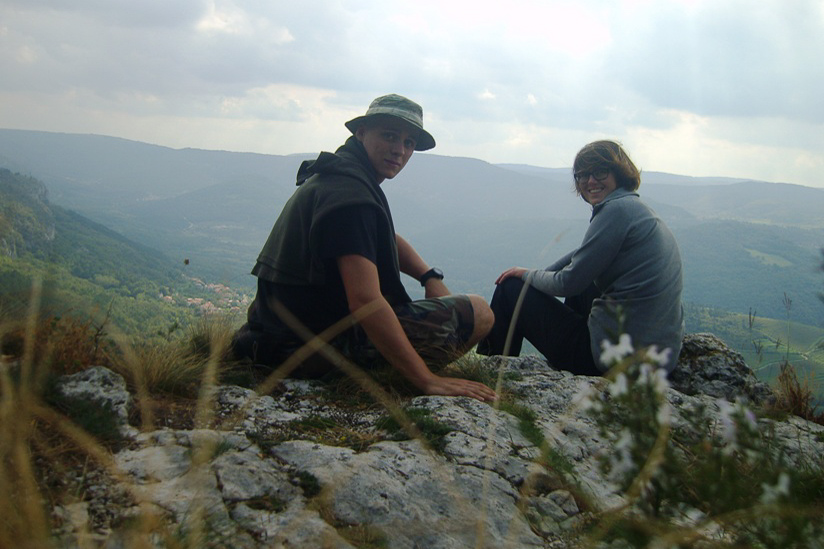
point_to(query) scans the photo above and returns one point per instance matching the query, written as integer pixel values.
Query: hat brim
(424, 142)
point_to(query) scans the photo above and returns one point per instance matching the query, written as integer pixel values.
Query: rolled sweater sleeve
(573, 273)
(562, 262)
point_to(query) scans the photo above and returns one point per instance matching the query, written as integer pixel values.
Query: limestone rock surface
(300, 468)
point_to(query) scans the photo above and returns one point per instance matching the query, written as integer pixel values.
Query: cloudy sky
(717, 87)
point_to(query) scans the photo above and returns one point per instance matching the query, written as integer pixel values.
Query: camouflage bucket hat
(399, 107)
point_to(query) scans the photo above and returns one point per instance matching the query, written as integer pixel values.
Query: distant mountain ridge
(656, 177)
(92, 171)
(744, 243)
(80, 167)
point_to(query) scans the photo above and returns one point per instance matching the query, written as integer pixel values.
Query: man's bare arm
(360, 281)
(412, 264)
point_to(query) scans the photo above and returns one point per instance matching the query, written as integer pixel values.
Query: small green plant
(347, 392)
(272, 504)
(526, 421)
(471, 366)
(309, 483)
(559, 471)
(328, 431)
(724, 482)
(98, 419)
(432, 430)
(314, 423)
(363, 536)
(209, 450)
(265, 443)
(513, 376)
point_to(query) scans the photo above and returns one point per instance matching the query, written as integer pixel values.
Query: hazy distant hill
(656, 178)
(744, 243)
(91, 171)
(752, 201)
(719, 197)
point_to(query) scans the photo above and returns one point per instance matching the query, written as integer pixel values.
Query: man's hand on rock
(453, 386)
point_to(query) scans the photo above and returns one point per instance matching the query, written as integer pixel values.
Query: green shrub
(727, 483)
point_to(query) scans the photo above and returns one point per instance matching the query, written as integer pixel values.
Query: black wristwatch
(434, 272)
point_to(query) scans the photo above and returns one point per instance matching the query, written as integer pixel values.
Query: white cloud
(26, 55)
(227, 19)
(694, 87)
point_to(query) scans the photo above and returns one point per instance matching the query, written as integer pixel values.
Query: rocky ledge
(301, 468)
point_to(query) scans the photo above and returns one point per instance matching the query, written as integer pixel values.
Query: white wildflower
(645, 372)
(771, 494)
(621, 460)
(583, 397)
(616, 353)
(664, 414)
(621, 465)
(660, 358)
(624, 440)
(660, 382)
(729, 428)
(586, 399)
(749, 417)
(619, 386)
(733, 418)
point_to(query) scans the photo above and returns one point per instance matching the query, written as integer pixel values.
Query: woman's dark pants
(558, 330)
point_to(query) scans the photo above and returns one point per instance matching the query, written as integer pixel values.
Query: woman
(625, 277)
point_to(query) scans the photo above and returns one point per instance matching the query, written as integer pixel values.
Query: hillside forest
(80, 268)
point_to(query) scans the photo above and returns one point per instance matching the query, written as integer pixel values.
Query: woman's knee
(507, 292)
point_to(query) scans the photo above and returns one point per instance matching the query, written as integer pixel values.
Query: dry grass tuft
(37, 443)
(49, 445)
(796, 396)
(179, 366)
(66, 343)
(165, 368)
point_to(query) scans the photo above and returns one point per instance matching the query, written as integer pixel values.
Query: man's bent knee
(484, 318)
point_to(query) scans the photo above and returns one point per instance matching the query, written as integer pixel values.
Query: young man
(333, 255)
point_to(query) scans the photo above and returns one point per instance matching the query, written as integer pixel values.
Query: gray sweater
(633, 259)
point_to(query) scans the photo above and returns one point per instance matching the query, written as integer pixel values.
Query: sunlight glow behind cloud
(694, 87)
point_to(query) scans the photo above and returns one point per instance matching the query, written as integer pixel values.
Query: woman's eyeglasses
(598, 174)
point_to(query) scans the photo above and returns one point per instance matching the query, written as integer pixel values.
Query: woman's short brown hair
(608, 155)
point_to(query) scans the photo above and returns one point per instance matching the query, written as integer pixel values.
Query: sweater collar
(614, 195)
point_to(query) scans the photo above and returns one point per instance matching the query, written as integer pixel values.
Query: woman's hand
(516, 272)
